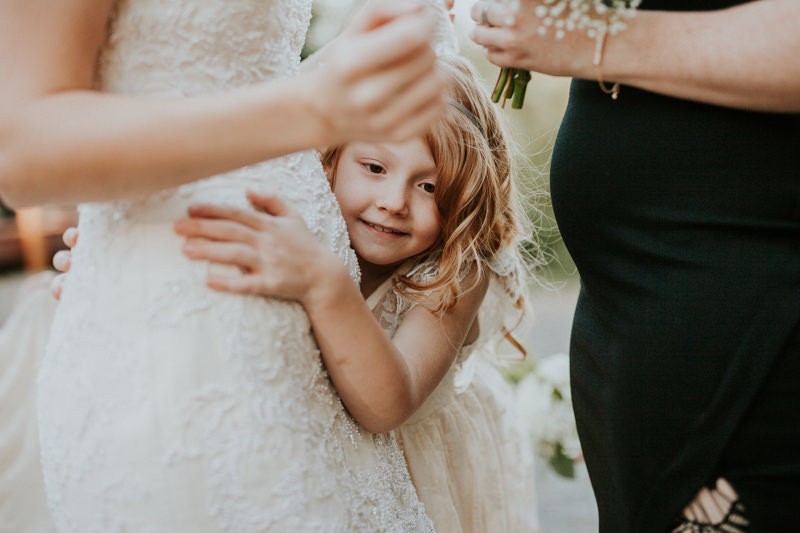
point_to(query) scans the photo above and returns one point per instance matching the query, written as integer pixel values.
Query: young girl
(436, 226)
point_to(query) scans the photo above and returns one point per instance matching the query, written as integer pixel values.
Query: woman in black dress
(680, 204)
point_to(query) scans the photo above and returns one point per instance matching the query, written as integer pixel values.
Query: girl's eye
(428, 187)
(374, 168)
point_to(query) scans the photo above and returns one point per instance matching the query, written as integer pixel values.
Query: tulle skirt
(472, 467)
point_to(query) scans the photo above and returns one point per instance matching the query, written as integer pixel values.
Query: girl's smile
(386, 194)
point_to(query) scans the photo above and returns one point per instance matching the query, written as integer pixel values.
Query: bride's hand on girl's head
(62, 261)
(271, 246)
(378, 80)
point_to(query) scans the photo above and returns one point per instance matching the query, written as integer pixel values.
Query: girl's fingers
(247, 217)
(70, 236)
(62, 260)
(238, 284)
(225, 253)
(56, 286)
(269, 204)
(215, 230)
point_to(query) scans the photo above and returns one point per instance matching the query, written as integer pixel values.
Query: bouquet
(598, 18)
(544, 403)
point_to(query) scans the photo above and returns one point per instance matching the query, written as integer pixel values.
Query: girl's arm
(61, 142)
(382, 381)
(743, 57)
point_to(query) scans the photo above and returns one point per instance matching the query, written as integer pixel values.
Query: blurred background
(30, 237)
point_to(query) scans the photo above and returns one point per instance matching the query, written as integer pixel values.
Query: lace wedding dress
(167, 407)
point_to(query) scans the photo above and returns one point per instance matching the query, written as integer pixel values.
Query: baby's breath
(593, 16)
(597, 18)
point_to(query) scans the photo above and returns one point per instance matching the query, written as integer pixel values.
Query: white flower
(544, 402)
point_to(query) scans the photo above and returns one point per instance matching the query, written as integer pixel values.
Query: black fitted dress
(684, 222)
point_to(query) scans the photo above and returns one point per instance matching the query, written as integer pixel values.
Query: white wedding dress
(164, 406)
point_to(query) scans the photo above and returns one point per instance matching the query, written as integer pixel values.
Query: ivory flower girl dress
(472, 467)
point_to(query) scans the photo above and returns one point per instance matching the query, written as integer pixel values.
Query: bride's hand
(378, 80)
(271, 246)
(62, 261)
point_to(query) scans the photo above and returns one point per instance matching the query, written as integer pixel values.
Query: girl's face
(386, 194)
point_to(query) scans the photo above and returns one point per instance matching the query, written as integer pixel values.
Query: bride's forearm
(743, 57)
(87, 146)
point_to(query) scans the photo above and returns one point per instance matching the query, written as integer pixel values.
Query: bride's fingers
(394, 43)
(215, 229)
(381, 91)
(62, 260)
(379, 12)
(226, 253)
(416, 120)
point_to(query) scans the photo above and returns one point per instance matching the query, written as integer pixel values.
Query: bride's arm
(61, 142)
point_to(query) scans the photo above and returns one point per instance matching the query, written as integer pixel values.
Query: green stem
(500, 85)
(520, 82)
(509, 87)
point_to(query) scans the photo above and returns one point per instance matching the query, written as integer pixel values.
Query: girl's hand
(62, 261)
(271, 246)
(378, 80)
(511, 39)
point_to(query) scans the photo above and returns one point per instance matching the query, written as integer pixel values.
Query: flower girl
(436, 224)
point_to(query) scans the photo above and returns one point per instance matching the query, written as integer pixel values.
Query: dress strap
(377, 295)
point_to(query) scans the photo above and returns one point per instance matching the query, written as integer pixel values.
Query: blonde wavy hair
(475, 194)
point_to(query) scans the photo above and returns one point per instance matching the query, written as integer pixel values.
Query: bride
(163, 406)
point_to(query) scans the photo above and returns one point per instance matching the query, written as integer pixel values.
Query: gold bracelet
(599, 50)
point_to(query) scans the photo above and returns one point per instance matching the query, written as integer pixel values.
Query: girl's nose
(393, 200)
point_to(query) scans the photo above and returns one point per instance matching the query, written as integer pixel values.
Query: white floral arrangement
(593, 16)
(597, 18)
(544, 404)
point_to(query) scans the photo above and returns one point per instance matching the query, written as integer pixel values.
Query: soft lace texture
(471, 464)
(164, 406)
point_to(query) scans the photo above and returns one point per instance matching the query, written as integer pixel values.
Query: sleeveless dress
(472, 466)
(165, 406)
(684, 222)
